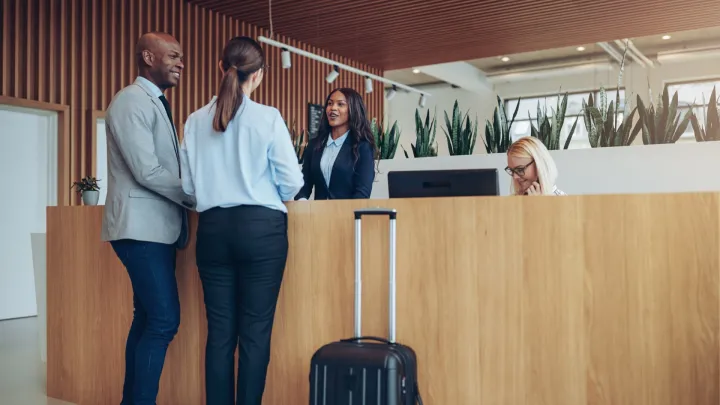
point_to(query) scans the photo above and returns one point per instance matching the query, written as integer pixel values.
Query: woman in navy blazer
(340, 162)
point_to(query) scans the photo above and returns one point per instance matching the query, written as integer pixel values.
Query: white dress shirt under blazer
(252, 163)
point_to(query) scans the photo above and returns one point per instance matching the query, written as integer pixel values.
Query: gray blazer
(144, 191)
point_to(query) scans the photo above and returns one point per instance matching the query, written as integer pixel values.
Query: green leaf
(680, 129)
(608, 126)
(638, 127)
(699, 132)
(570, 135)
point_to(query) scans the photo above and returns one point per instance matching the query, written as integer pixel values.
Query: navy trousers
(241, 254)
(156, 316)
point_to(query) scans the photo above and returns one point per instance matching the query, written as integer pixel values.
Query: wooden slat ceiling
(395, 34)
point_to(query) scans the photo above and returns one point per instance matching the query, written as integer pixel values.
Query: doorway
(28, 178)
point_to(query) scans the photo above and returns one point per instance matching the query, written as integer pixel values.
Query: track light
(391, 93)
(338, 65)
(368, 85)
(332, 75)
(285, 55)
(422, 101)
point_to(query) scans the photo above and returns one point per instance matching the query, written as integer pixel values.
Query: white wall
(685, 167)
(635, 80)
(28, 178)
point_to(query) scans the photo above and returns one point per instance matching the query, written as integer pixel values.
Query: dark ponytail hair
(241, 57)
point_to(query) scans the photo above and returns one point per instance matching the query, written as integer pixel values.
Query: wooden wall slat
(31, 38)
(76, 120)
(85, 61)
(42, 56)
(92, 96)
(54, 58)
(19, 49)
(5, 52)
(79, 53)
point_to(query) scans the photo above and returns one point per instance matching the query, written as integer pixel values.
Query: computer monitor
(443, 183)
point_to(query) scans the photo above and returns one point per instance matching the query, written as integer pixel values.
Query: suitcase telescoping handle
(392, 214)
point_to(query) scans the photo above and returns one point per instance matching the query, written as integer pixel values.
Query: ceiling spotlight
(580, 48)
(416, 71)
(332, 75)
(504, 59)
(285, 56)
(422, 101)
(666, 37)
(368, 85)
(391, 93)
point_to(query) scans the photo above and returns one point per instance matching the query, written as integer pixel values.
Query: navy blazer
(349, 179)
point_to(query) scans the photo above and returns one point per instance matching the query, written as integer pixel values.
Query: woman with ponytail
(238, 161)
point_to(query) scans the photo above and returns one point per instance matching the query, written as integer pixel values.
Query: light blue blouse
(332, 149)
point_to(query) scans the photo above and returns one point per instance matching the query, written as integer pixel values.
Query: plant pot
(90, 197)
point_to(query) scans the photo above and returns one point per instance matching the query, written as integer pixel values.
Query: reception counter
(572, 300)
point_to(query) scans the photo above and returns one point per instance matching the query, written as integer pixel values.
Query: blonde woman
(532, 168)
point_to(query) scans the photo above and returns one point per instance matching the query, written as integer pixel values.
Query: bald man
(145, 219)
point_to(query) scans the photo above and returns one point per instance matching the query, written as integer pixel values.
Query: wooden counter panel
(576, 300)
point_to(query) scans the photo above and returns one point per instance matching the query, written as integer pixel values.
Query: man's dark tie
(166, 104)
(184, 229)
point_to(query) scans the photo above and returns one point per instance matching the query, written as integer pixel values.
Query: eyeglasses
(520, 170)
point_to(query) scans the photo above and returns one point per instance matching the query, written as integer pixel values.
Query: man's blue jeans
(156, 318)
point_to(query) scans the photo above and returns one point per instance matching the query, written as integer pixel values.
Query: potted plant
(711, 132)
(425, 145)
(497, 133)
(663, 124)
(601, 121)
(88, 188)
(548, 129)
(460, 132)
(387, 140)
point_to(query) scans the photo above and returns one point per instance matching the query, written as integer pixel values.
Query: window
(695, 93)
(528, 111)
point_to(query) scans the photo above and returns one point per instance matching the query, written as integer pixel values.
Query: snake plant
(662, 124)
(460, 133)
(601, 122)
(711, 132)
(497, 133)
(425, 145)
(387, 140)
(548, 129)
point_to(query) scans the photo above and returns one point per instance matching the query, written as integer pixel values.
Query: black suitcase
(366, 370)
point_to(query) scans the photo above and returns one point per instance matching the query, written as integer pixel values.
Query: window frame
(689, 134)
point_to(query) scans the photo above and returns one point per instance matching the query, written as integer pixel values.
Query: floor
(22, 373)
